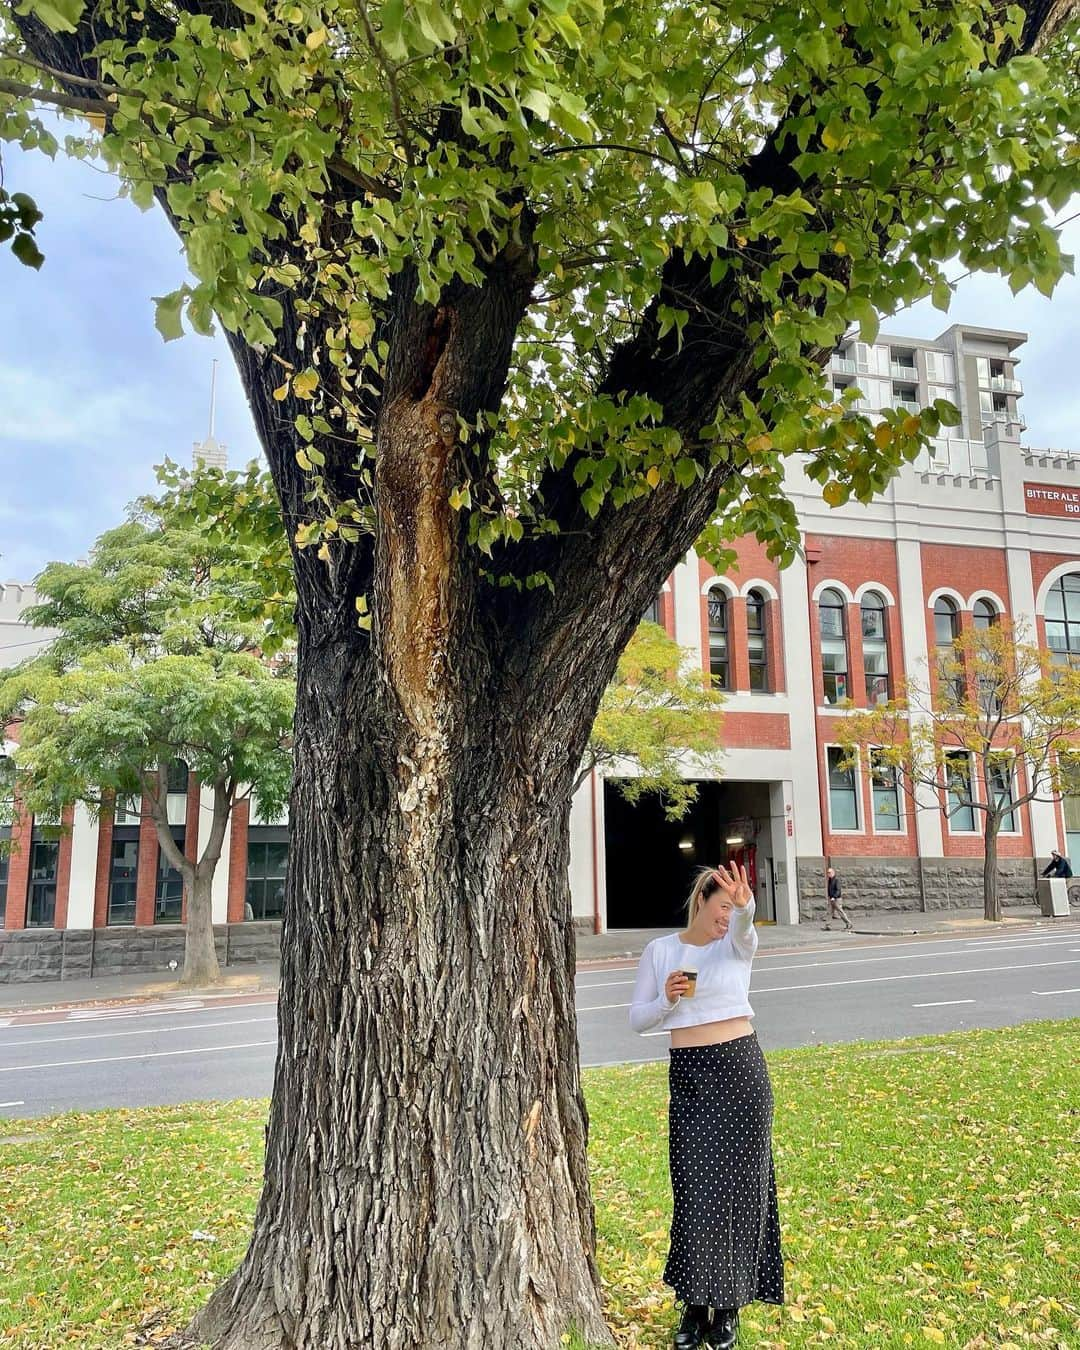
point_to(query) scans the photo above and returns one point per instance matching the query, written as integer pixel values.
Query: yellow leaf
(834, 494)
(934, 1334)
(839, 247)
(282, 391)
(759, 444)
(910, 425)
(883, 435)
(215, 199)
(305, 384)
(315, 40)
(324, 553)
(303, 461)
(653, 476)
(330, 525)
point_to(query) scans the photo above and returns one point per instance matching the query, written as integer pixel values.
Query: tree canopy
(658, 714)
(160, 657)
(697, 199)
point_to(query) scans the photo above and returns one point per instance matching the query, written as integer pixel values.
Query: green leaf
(27, 251)
(167, 315)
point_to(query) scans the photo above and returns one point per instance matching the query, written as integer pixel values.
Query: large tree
(170, 646)
(524, 296)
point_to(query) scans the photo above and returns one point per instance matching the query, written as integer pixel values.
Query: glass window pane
(1055, 603)
(873, 619)
(177, 776)
(123, 875)
(831, 618)
(1056, 637)
(842, 802)
(958, 795)
(717, 612)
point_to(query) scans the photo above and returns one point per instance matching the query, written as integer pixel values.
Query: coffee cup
(690, 975)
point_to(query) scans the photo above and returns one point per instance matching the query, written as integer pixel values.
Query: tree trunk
(426, 1179)
(200, 955)
(991, 899)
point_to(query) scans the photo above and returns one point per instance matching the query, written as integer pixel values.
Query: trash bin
(1054, 897)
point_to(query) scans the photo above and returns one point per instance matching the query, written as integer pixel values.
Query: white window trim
(974, 833)
(902, 827)
(856, 774)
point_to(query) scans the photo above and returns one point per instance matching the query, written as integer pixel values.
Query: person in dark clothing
(1057, 866)
(836, 908)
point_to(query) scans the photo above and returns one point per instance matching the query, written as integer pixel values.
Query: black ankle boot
(723, 1330)
(692, 1328)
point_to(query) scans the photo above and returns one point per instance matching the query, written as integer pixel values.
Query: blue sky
(92, 398)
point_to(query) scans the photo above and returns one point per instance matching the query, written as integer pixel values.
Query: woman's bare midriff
(711, 1033)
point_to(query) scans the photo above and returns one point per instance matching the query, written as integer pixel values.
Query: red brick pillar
(856, 670)
(103, 866)
(238, 846)
(146, 881)
(63, 868)
(22, 827)
(738, 656)
(774, 646)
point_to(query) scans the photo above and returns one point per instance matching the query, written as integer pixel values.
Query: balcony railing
(843, 364)
(1005, 385)
(910, 404)
(902, 372)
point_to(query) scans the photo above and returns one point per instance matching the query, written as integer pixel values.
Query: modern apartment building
(982, 526)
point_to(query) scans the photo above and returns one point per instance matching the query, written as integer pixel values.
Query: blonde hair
(703, 887)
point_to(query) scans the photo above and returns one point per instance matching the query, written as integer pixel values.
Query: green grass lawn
(928, 1192)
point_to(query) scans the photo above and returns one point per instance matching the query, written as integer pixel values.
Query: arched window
(833, 631)
(984, 615)
(756, 647)
(1063, 619)
(718, 638)
(177, 777)
(875, 648)
(946, 631)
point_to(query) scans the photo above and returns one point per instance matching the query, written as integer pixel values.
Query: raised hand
(735, 884)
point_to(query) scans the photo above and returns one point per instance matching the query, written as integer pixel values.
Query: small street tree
(523, 297)
(656, 711)
(160, 658)
(996, 727)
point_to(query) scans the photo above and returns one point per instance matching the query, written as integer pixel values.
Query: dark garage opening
(648, 873)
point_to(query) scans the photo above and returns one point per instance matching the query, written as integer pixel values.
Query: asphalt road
(218, 1049)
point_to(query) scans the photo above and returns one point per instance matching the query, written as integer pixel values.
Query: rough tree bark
(991, 896)
(201, 966)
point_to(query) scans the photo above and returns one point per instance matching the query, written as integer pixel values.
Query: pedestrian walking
(834, 893)
(725, 1229)
(1057, 866)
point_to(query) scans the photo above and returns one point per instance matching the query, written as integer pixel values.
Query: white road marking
(909, 956)
(921, 975)
(146, 1031)
(1045, 993)
(108, 1014)
(150, 1054)
(945, 1003)
(875, 979)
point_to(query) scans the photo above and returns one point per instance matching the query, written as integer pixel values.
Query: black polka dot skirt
(725, 1230)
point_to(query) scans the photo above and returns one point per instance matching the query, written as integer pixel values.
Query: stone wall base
(78, 953)
(893, 885)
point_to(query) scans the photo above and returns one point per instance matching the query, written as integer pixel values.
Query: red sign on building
(1043, 499)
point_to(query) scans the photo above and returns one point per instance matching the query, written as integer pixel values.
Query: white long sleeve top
(723, 982)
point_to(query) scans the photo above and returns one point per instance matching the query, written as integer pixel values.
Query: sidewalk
(592, 949)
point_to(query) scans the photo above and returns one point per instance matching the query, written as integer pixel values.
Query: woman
(725, 1232)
